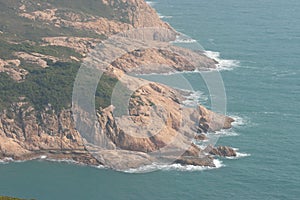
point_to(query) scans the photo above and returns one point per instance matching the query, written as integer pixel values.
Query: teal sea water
(263, 91)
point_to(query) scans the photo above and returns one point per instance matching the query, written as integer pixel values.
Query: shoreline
(83, 156)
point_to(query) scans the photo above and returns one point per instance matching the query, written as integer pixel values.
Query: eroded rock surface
(156, 128)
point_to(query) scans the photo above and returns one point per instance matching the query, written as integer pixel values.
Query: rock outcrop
(13, 69)
(222, 151)
(155, 128)
(79, 44)
(36, 58)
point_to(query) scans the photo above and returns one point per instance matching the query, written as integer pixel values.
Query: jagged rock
(200, 137)
(36, 58)
(197, 161)
(223, 151)
(156, 118)
(13, 69)
(210, 121)
(153, 60)
(79, 44)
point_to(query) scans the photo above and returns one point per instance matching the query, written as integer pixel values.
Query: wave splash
(150, 3)
(164, 17)
(238, 122)
(183, 39)
(194, 98)
(238, 155)
(223, 64)
(174, 167)
(6, 160)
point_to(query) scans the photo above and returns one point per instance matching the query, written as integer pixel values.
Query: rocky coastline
(26, 133)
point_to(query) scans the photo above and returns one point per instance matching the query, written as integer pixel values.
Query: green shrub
(52, 85)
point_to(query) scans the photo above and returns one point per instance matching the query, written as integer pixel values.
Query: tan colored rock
(13, 69)
(222, 151)
(210, 121)
(11, 148)
(81, 45)
(52, 132)
(196, 161)
(22, 8)
(163, 61)
(36, 58)
(201, 137)
(156, 128)
(45, 15)
(139, 13)
(101, 26)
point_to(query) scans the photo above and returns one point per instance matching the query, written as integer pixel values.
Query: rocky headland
(48, 131)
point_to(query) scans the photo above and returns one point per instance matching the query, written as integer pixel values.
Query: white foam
(6, 160)
(150, 3)
(236, 149)
(218, 163)
(225, 132)
(69, 161)
(239, 155)
(174, 167)
(164, 17)
(100, 167)
(242, 155)
(43, 157)
(194, 98)
(223, 64)
(238, 121)
(183, 39)
(187, 41)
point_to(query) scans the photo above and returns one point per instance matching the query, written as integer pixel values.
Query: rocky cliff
(52, 39)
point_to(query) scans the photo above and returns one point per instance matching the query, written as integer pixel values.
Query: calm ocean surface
(264, 92)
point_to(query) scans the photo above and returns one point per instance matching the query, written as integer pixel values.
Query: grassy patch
(9, 91)
(53, 85)
(7, 50)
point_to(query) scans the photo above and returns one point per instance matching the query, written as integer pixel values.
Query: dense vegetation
(18, 28)
(53, 85)
(7, 50)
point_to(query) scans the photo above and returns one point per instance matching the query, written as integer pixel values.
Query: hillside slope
(43, 44)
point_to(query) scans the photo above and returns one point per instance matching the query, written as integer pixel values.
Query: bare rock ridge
(157, 128)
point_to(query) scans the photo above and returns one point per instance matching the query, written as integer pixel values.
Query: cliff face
(64, 35)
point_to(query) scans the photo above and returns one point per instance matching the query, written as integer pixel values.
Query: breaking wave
(183, 39)
(150, 3)
(194, 98)
(164, 17)
(6, 160)
(174, 167)
(239, 155)
(223, 64)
